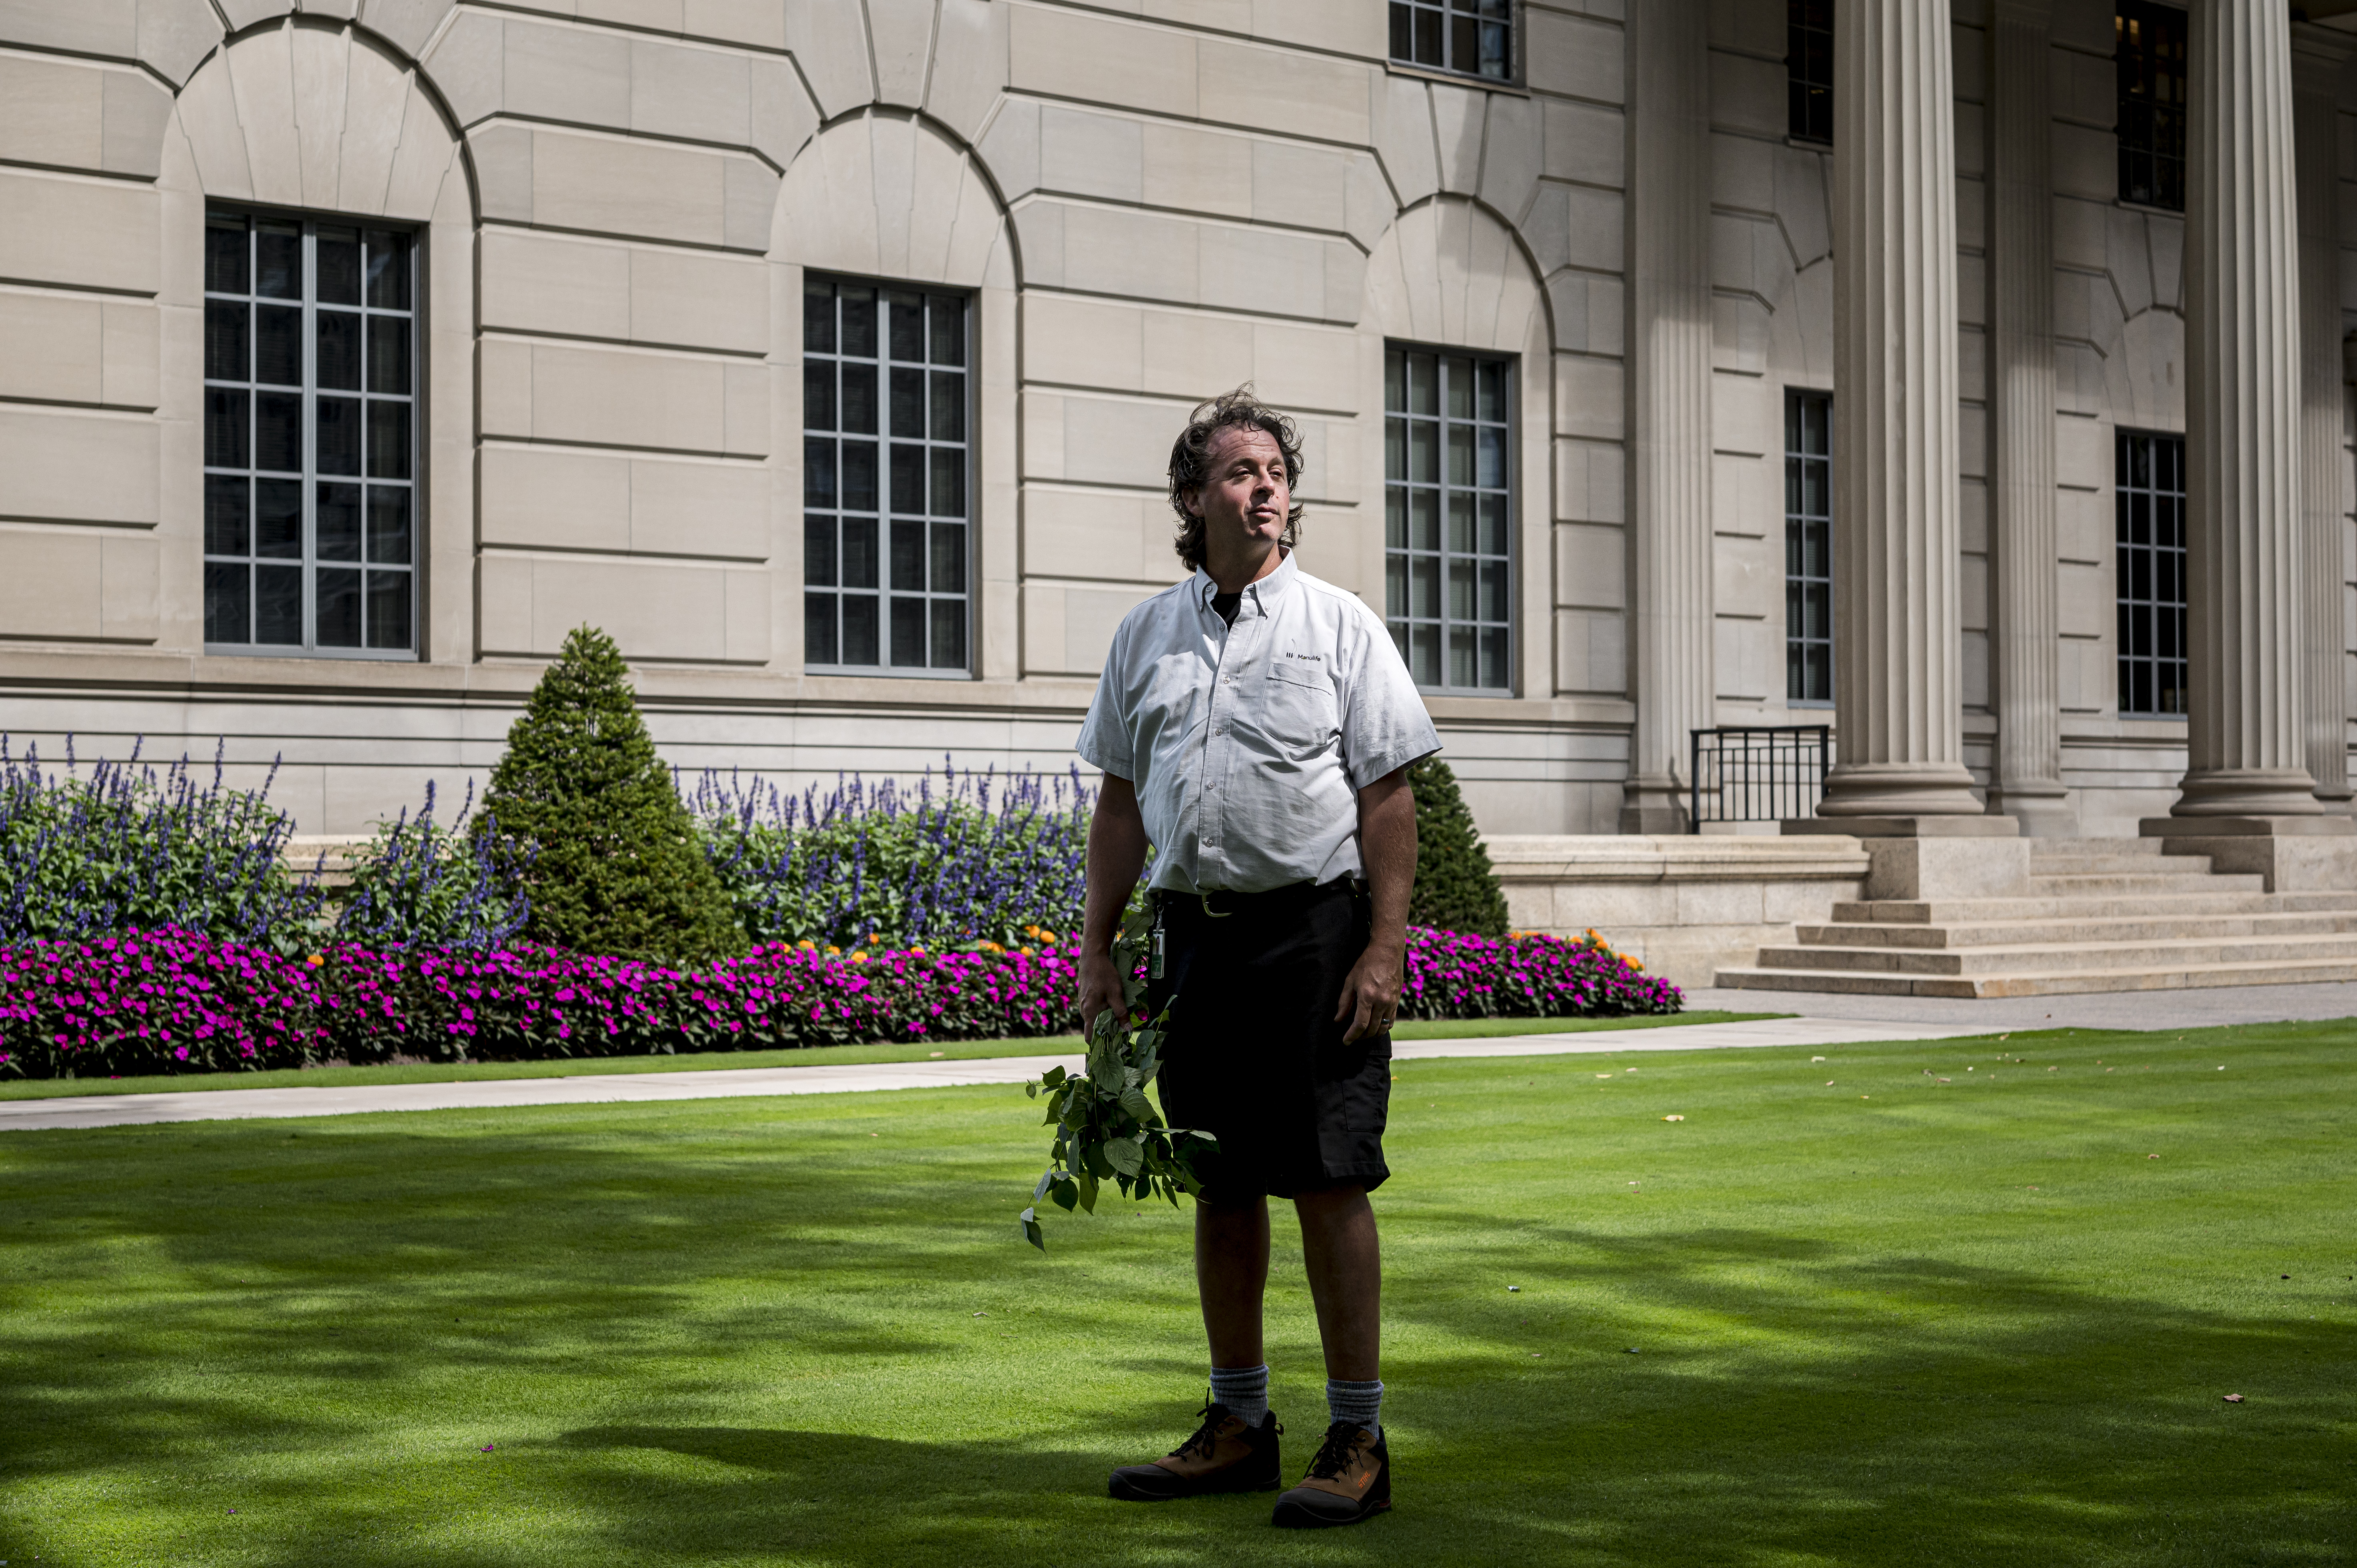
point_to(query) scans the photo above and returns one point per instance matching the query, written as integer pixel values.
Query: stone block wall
(1146, 205)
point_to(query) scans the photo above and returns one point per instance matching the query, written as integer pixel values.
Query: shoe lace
(1206, 1435)
(1334, 1455)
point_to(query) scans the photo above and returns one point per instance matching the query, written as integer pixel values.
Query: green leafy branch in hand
(1107, 1128)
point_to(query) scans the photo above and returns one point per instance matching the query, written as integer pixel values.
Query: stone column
(2318, 56)
(1898, 688)
(2027, 784)
(1670, 413)
(2247, 730)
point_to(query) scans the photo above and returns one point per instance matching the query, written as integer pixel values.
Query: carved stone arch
(886, 194)
(1449, 270)
(317, 115)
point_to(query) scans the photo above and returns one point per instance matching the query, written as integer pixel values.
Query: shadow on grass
(319, 1325)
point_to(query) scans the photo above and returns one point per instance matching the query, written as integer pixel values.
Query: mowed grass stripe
(1887, 1321)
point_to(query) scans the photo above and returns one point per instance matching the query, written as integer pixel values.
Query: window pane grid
(2150, 45)
(1472, 37)
(1808, 548)
(886, 479)
(1449, 518)
(1809, 68)
(2149, 500)
(310, 438)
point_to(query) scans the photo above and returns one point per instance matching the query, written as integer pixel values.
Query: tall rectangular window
(1809, 68)
(1808, 547)
(886, 495)
(2149, 512)
(1449, 518)
(2150, 42)
(310, 438)
(1474, 37)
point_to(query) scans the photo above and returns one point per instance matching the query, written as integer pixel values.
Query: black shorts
(1256, 1056)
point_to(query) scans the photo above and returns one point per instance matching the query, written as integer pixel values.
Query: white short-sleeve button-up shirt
(1248, 744)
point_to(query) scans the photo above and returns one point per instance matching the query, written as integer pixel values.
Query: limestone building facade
(1663, 364)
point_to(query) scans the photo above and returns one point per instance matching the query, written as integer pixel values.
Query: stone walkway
(722, 1083)
(2197, 1007)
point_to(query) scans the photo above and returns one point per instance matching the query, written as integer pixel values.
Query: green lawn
(1887, 1320)
(821, 1056)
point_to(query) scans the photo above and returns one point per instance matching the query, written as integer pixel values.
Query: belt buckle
(1210, 913)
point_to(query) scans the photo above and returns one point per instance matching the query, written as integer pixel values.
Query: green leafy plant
(1107, 1128)
(1455, 888)
(580, 800)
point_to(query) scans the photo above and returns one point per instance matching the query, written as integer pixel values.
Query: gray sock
(1244, 1390)
(1361, 1405)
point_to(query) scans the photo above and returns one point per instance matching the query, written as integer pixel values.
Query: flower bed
(176, 1002)
(155, 1001)
(1528, 975)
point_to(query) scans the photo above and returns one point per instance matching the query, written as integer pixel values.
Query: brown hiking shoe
(1224, 1456)
(1350, 1479)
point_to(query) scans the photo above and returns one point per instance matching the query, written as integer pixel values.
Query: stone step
(2042, 983)
(2140, 848)
(2305, 902)
(1952, 911)
(2099, 882)
(2118, 865)
(2063, 959)
(2119, 929)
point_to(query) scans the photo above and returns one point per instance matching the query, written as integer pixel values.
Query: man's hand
(1101, 987)
(1371, 996)
(1387, 845)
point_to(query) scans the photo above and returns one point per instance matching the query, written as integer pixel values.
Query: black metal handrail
(1757, 773)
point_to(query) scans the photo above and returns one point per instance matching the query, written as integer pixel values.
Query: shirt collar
(1266, 592)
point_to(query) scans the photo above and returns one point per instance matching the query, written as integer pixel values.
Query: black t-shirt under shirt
(1225, 605)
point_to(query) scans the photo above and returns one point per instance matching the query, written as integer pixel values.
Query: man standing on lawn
(1254, 725)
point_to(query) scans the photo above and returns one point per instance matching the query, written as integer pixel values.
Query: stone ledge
(1675, 857)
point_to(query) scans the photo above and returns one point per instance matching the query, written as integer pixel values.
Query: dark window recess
(1808, 547)
(310, 436)
(886, 500)
(1448, 517)
(1473, 37)
(2152, 71)
(2151, 528)
(1809, 68)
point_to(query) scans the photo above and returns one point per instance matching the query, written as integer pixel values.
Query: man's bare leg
(1231, 1275)
(1344, 1258)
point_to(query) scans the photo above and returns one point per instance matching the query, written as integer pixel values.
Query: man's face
(1245, 498)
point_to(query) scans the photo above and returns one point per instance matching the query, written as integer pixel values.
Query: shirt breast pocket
(1299, 712)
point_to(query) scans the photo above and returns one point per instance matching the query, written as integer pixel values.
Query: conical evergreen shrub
(1455, 888)
(581, 798)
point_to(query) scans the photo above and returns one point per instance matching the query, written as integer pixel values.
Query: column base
(1655, 804)
(1917, 858)
(2247, 792)
(2043, 809)
(2296, 855)
(1899, 790)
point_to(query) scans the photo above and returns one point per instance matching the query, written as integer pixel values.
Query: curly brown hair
(1191, 462)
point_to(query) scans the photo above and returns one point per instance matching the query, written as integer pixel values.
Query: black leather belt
(1274, 904)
